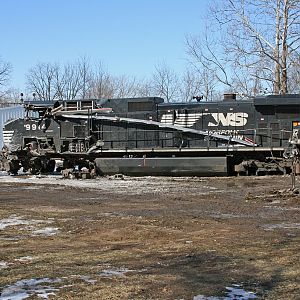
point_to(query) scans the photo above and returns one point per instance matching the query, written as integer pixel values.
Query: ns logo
(237, 119)
(232, 119)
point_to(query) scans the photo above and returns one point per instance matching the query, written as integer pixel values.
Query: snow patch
(235, 292)
(47, 231)
(130, 185)
(12, 220)
(87, 279)
(282, 226)
(115, 272)
(26, 288)
(24, 259)
(32, 226)
(3, 265)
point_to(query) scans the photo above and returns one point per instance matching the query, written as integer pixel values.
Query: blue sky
(128, 36)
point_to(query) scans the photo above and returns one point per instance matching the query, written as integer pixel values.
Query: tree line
(81, 79)
(248, 47)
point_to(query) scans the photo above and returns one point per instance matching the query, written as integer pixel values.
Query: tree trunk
(284, 52)
(277, 76)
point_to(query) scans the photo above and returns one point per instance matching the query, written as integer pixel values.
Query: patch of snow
(115, 272)
(281, 208)
(47, 231)
(282, 226)
(87, 279)
(235, 292)
(31, 187)
(12, 220)
(201, 297)
(227, 216)
(3, 265)
(130, 185)
(24, 258)
(30, 225)
(26, 288)
(15, 238)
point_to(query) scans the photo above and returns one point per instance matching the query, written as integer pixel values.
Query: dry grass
(156, 246)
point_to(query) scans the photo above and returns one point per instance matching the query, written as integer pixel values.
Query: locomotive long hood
(227, 138)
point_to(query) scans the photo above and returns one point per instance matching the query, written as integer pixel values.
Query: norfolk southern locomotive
(147, 136)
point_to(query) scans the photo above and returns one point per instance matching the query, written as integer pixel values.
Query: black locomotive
(85, 133)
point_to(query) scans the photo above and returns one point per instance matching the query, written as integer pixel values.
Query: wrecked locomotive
(145, 136)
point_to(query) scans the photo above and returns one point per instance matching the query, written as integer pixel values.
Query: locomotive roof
(43, 103)
(204, 103)
(278, 100)
(270, 100)
(139, 99)
(47, 103)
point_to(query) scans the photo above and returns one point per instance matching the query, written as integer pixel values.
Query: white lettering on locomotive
(237, 119)
(234, 133)
(34, 127)
(233, 119)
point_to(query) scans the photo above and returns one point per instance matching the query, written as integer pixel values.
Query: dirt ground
(149, 238)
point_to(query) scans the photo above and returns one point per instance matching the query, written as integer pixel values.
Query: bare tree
(105, 85)
(51, 81)
(102, 83)
(206, 57)
(68, 82)
(190, 86)
(71, 83)
(74, 80)
(259, 38)
(165, 83)
(5, 71)
(126, 86)
(294, 77)
(42, 80)
(79, 80)
(85, 75)
(11, 96)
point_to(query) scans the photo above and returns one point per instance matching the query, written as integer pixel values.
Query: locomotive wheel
(50, 166)
(14, 166)
(36, 166)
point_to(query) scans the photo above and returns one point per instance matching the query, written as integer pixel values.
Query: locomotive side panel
(25, 131)
(276, 115)
(236, 119)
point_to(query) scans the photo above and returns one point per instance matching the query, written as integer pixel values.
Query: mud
(149, 238)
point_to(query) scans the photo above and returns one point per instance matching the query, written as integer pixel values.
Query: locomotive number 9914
(34, 126)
